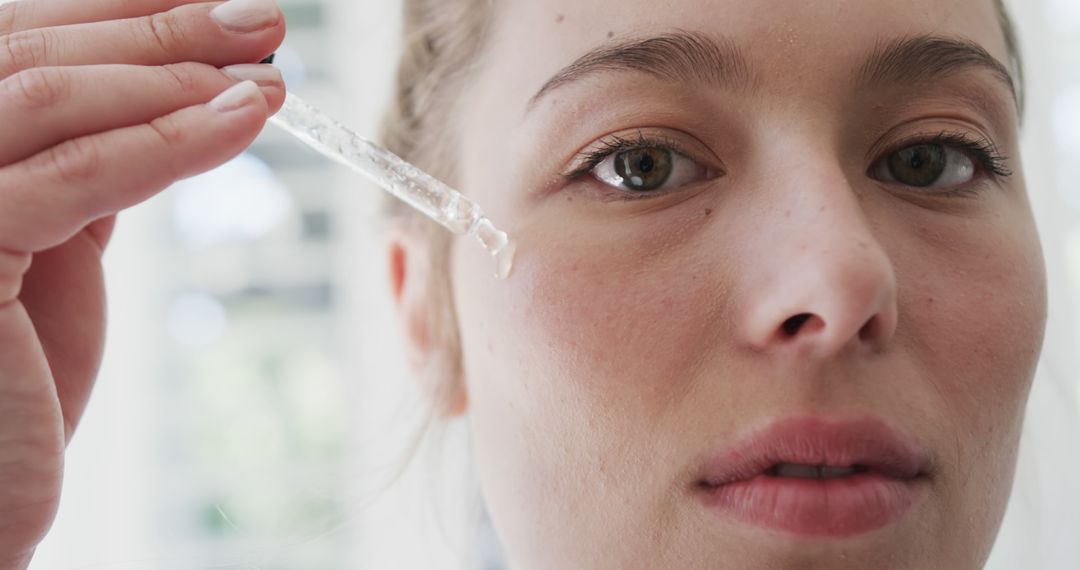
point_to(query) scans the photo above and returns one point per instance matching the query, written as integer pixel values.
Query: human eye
(641, 165)
(947, 162)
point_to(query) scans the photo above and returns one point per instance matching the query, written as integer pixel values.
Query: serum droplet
(498, 244)
(504, 261)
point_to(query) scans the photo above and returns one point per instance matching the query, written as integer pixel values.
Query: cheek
(975, 307)
(572, 365)
(621, 320)
(606, 329)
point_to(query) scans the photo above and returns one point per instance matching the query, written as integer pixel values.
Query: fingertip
(233, 120)
(269, 40)
(275, 98)
(238, 97)
(267, 77)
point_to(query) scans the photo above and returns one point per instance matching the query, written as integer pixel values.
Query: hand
(103, 104)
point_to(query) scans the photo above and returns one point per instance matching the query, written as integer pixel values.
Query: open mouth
(817, 477)
(815, 448)
(800, 471)
(819, 472)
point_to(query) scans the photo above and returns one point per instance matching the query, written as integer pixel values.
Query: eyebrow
(923, 59)
(684, 57)
(680, 56)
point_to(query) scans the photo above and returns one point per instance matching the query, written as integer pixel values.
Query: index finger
(19, 15)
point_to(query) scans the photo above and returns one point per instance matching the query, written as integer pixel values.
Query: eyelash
(615, 144)
(982, 150)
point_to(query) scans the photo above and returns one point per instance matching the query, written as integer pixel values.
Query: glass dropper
(422, 191)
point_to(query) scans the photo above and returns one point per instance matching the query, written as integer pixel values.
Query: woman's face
(792, 209)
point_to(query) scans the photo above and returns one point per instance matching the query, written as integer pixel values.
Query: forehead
(532, 40)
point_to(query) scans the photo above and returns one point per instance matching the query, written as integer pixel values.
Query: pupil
(645, 164)
(644, 169)
(919, 165)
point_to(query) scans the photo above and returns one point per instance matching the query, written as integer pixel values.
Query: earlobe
(458, 402)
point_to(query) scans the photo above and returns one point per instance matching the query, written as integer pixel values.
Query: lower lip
(836, 508)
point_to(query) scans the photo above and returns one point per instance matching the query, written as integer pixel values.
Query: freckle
(559, 19)
(929, 300)
(863, 245)
(821, 210)
(610, 35)
(708, 212)
(569, 198)
(787, 214)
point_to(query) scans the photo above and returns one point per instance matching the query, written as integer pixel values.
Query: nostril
(869, 330)
(794, 324)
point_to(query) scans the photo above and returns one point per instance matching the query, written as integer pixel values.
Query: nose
(821, 282)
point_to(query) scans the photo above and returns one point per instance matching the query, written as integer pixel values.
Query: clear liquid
(498, 244)
(436, 200)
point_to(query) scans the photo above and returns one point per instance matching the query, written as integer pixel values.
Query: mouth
(810, 476)
(803, 471)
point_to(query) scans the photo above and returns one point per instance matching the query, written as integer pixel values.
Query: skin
(635, 339)
(66, 169)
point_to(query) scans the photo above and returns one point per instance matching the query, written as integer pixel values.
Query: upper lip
(809, 440)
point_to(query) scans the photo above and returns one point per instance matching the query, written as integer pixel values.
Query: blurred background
(253, 401)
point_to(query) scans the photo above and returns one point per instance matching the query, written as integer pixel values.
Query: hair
(443, 45)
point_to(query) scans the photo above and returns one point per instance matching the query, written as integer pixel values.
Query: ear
(424, 307)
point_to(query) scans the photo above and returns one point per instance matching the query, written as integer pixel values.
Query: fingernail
(246, 15)
(264, 75)
(236, 97)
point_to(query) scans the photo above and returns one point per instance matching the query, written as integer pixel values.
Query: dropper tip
(504, 260)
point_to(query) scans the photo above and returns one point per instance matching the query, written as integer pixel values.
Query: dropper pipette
(431, 197)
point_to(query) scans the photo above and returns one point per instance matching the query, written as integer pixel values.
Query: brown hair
(443, 43)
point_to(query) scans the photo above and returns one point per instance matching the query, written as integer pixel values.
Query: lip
(735, 483)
